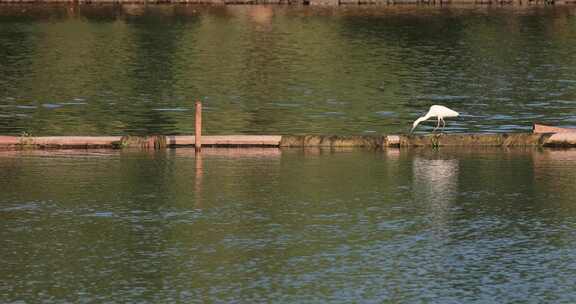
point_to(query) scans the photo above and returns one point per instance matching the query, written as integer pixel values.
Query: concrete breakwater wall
(277, 141)
(433, 140)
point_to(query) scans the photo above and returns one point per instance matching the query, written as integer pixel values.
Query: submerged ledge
(278, 141)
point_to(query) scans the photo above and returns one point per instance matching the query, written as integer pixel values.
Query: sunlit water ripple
(233, 225)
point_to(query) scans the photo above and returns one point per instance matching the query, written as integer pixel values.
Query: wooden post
(198, 127)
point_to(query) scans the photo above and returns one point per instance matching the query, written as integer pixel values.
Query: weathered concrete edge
(560, 140)
(333, 141)
(143, 142)
(433, 140)
(369, 141)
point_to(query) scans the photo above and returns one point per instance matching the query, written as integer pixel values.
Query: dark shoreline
(340, 3)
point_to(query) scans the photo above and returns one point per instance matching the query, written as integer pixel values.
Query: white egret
(436, 111)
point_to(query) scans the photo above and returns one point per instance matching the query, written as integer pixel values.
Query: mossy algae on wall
(365, 141)
(331, 141)
(493, 140)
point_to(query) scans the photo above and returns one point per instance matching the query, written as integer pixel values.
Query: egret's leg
(437, 125)
(442, 122)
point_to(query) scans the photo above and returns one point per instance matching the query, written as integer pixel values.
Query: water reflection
(552, 170)
(304, 225)
(198, 174)
(226, 153)
(261, 15)
(435, 186)
(277, 70)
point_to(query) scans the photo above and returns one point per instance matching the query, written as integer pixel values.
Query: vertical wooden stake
(198, 127)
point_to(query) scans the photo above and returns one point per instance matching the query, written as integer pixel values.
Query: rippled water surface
(285, 225)
(288, 226)
(133, 69)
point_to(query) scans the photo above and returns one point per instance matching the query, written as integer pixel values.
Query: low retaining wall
(368, 141)
(433, 140)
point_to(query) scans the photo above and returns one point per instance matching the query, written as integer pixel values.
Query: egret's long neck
(419, 120)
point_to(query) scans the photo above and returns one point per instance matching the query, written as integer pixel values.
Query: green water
(129, 69)
(288, 226)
